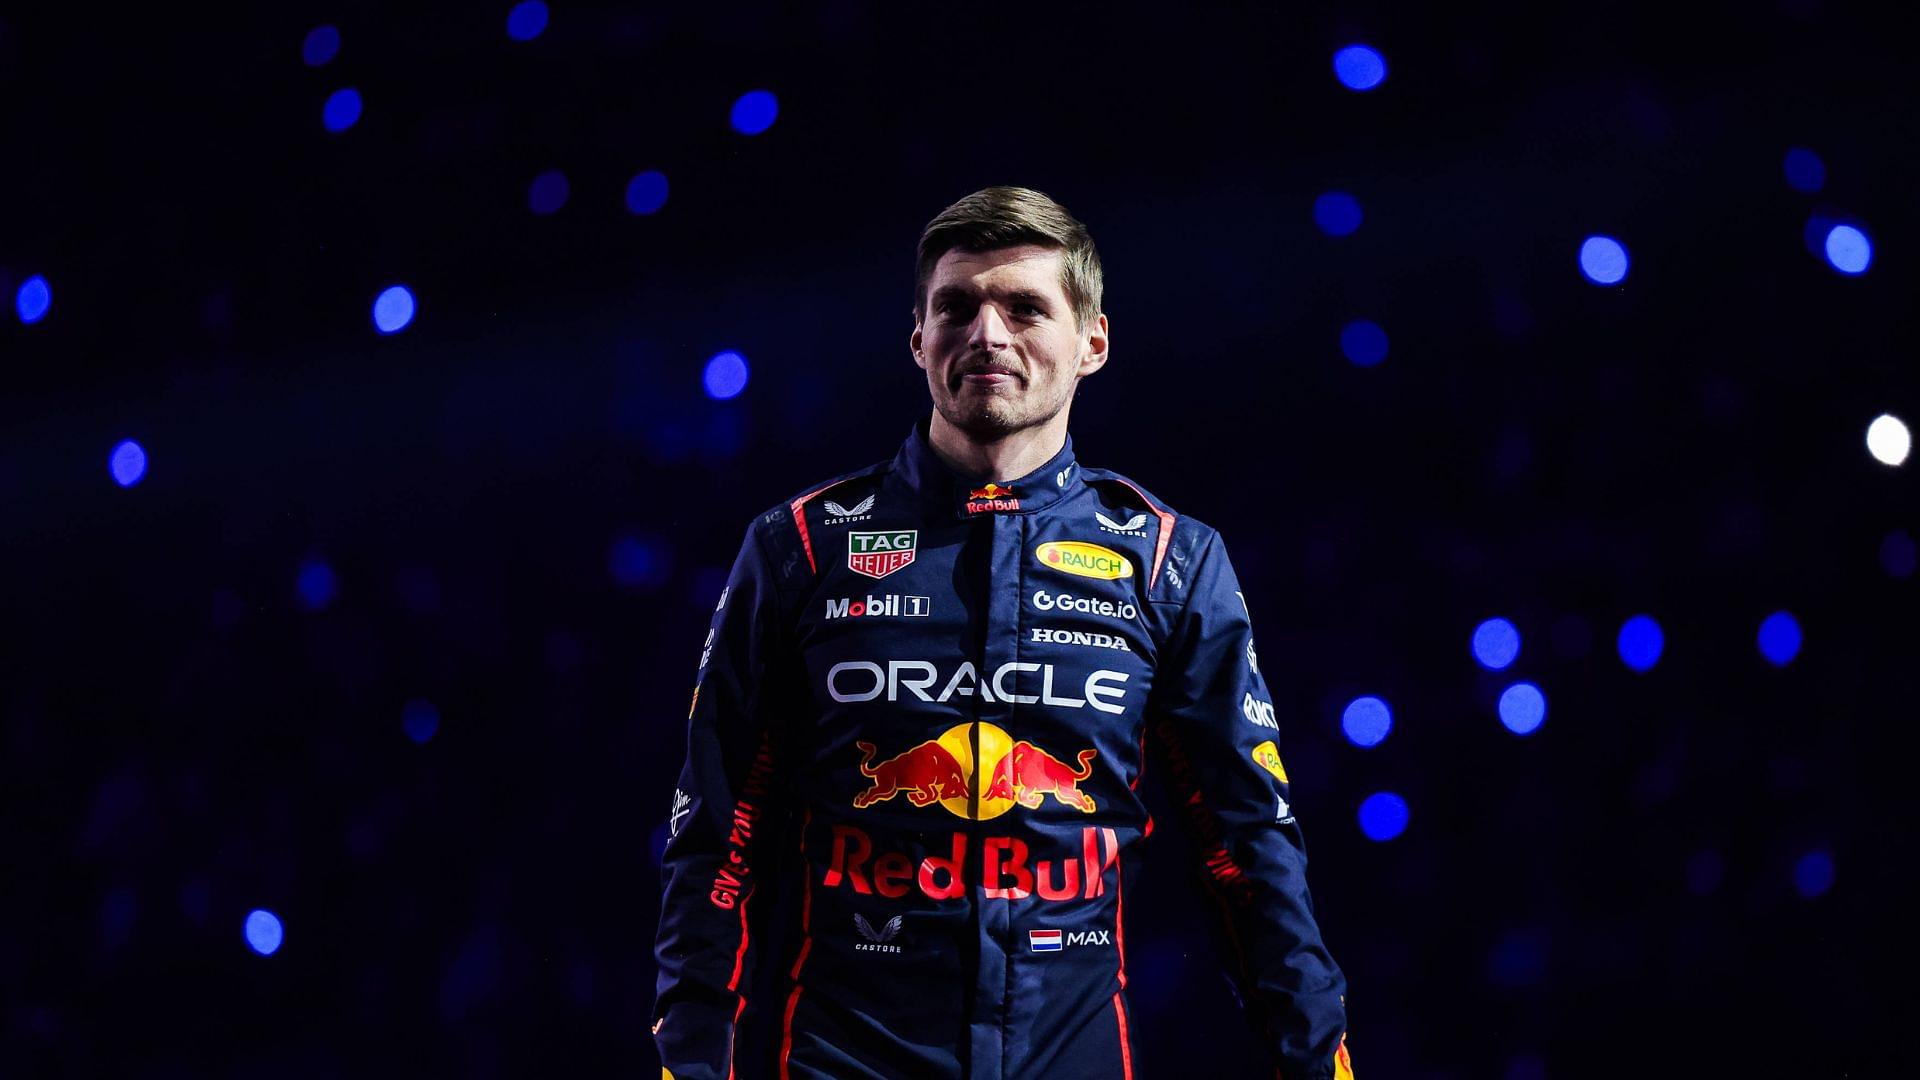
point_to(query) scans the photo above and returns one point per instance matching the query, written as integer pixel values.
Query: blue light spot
(1848, 249)
(638, 563)
(1603, 260)
(527, 20)
(1364, 343)
(1704, 872)
(1640, 642)
(128, 463)
(1780, 638)
(548, 192)
(1337, 213)
(755, 112)
(647, 192)
(1360, 67)
(1522, 708)
(1805, 171)
(33, 299)
(393, 309)
(322, 44)
(420, 720)
(1366, 721)
(1383, 816)
(1518, 959)
(342, 110)
(1813, 874)
(1526, 1067)
(1496, 643)
(726, 376)
(316, 584)
(1899, 554)
(264, 932)
(117, 915)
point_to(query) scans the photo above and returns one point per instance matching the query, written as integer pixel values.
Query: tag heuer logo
(877, 554)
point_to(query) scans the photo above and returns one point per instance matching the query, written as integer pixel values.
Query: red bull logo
(1006, 865)
(1028, 774)
(943, 771)
(993, 497)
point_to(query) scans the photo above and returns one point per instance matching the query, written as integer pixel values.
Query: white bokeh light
(1888, 439)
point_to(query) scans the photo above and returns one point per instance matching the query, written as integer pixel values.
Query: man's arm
(1214, 721)
(704, 947)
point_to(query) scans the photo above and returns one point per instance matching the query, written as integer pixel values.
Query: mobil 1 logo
(891, 605)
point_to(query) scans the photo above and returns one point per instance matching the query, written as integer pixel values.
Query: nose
(989, 331)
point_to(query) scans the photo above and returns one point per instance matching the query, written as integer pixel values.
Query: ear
(914, 344)
(1095, 356)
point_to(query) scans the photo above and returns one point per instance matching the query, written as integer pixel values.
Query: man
(920, 720)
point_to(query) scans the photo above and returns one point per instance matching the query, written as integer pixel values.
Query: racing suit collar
(938, 485)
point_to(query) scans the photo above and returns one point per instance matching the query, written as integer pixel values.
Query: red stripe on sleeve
(1167, 518)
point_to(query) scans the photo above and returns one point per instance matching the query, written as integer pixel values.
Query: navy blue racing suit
(909, 799)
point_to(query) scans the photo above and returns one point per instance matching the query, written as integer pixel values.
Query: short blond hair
(999, 217)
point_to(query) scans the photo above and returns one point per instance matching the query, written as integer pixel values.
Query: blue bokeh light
(322, 44)
(264, 932)
(647, 192)
(639, 562)
(1366, 721)
(1805, 171)
(1641, 642)
(1496, 643)
(1337, 213)
(548, 192)
(1522, 708)
(1383, 816)
(1705, 869)
(1525, 1067)
(393, 309)
(1364, 343)
(755, 112)
(1604, 260)
(1518, 959)
(1813, 873)
(128, 463)
(1360, 67)
(342, 110)
(1899, 555)
(725, 376)
(1848, 249)
(527, 20)
(32, 299)
(420, 720)
(1780, 638)
(316, 585)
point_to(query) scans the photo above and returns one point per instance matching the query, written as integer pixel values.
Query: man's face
(998, 341)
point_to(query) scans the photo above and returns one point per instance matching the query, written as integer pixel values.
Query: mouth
(988, 377)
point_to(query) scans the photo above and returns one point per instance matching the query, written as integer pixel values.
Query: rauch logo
(1083, 560)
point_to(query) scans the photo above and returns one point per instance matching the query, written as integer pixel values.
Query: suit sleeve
(725, 800)
(1214, 721)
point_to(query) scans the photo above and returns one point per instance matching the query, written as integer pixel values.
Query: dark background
(527, 503)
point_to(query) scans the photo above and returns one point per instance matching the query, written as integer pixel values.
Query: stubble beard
(990, 419)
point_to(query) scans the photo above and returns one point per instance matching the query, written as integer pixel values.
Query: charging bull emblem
(943, 770)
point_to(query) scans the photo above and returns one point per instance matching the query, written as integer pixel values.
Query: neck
(1007, 458)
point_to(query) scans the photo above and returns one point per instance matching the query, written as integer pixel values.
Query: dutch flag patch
(1043, 940)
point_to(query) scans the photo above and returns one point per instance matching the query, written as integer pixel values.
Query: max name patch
(1083, 560)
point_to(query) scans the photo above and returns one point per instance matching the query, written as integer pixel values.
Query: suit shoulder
(1120, 492)
(784, 531)
(1123, 494)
